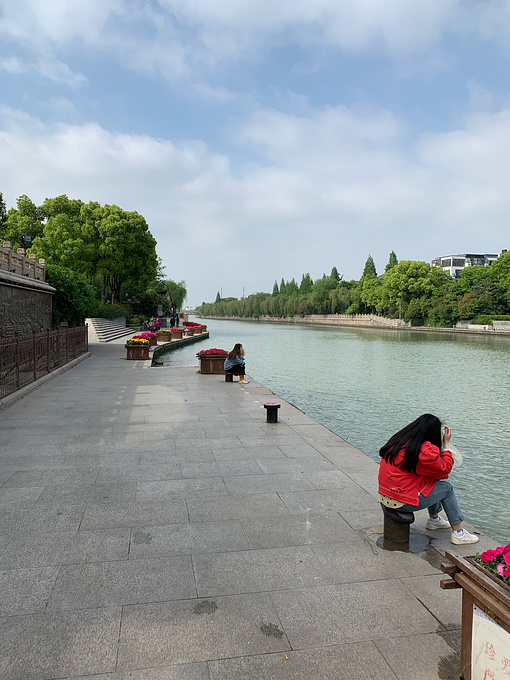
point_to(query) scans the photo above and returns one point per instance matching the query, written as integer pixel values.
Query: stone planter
(212, 363)
(137, 352)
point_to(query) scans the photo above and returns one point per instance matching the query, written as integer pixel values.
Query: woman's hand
(447, 436)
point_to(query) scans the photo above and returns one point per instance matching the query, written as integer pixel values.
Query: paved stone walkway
(154, 527)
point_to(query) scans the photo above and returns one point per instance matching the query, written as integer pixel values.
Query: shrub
(108, 311)
(74, 297)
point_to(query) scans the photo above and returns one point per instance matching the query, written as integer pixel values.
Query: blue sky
(261, 138)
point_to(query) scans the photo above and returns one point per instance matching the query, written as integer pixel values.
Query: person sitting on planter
(234, 363)
(412, 476)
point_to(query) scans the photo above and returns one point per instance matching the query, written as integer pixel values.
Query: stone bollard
(272, 411)
(396, 525)
(229, 377)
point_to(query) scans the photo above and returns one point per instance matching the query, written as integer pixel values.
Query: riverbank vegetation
(414, 291)
(102, 259)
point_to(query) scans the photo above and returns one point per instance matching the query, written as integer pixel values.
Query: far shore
(361, 321)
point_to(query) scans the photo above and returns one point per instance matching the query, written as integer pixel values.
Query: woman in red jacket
(413, 472)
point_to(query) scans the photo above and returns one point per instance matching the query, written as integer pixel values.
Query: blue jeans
(442, 495)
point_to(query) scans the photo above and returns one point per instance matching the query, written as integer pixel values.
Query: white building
(454, 264)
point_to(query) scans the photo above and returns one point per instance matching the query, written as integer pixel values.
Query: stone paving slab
(127, 493)
(107, 584)
(199, 630)
(352, 612)
(56, 644)
(340, 662)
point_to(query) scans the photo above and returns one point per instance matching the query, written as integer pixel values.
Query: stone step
(103, 330)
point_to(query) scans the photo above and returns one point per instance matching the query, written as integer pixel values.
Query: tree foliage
(415, 291)
(74, 298)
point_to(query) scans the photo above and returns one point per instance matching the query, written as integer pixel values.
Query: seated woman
(234, 363)
(413, 474)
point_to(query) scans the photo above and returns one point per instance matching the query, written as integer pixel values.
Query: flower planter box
(204, 328)
(485, 614)
(177, 333)
(164, 336)
(212, 363)
(137, 352)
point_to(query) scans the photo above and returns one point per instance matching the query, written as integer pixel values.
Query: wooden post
(466, 635)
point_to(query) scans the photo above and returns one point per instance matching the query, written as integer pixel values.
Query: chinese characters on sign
(490, 654)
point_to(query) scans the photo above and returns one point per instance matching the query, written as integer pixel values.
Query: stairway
(102, 330)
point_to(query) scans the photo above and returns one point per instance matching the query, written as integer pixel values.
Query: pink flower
(488, 556)
(500, 550)
(500, 569)
(506, 573)
(506, 549)
(507, 558)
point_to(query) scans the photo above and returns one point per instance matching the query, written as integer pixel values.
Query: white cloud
(188, 39)
(331, 186)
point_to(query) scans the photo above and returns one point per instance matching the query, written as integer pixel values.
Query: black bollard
(229, 377)
(272, 411)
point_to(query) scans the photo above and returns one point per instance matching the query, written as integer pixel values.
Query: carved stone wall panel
(23, 310)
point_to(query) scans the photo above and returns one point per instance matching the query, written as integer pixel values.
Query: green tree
(127, 249)
(306, 284)
(26, 218)
(218, 298)
(392, 261)
(74, 297)
(369, 269)
(3, 215)
(275, 288)
(335, 275)
(175, 293)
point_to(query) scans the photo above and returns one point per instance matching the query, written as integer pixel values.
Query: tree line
(102, 259)
(414, 291)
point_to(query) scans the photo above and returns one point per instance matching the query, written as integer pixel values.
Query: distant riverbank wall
(370, 321)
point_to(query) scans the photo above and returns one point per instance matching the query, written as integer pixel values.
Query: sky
(264, 139)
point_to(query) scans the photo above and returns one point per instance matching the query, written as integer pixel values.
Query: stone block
(210, 487)
(25, 591)
(234, 507)
(141, 514)
(262, 484)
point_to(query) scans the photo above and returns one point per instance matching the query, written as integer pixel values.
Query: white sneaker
(464, 538)
(244, 382)
(440, 524)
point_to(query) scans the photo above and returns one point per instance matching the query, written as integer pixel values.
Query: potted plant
(164, 335)
(212, 360)
(177, 333)
(150, 336)
(137, 349)
(497, 563)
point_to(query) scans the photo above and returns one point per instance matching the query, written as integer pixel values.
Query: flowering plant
(147, 334)
(214, 350)
(176, 329)
(497, 562)
(142, 342)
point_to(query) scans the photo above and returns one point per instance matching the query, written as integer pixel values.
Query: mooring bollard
(229, 377)
(396, 524)
(272, 411)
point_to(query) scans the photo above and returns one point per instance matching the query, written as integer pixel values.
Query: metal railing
(24, 358)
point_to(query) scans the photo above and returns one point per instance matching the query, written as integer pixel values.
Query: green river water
(366, 384)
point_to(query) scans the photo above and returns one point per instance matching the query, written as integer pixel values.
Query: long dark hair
(238, 349)
(426, 428)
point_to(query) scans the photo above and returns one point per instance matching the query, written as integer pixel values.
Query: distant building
(454, 264)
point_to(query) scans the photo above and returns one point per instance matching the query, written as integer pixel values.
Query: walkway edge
(11, 399)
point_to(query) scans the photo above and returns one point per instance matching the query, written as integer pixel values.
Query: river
(366, 384)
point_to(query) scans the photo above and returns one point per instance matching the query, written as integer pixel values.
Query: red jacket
(404, 486)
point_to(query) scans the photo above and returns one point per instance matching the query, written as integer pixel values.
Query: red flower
(488, 556)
